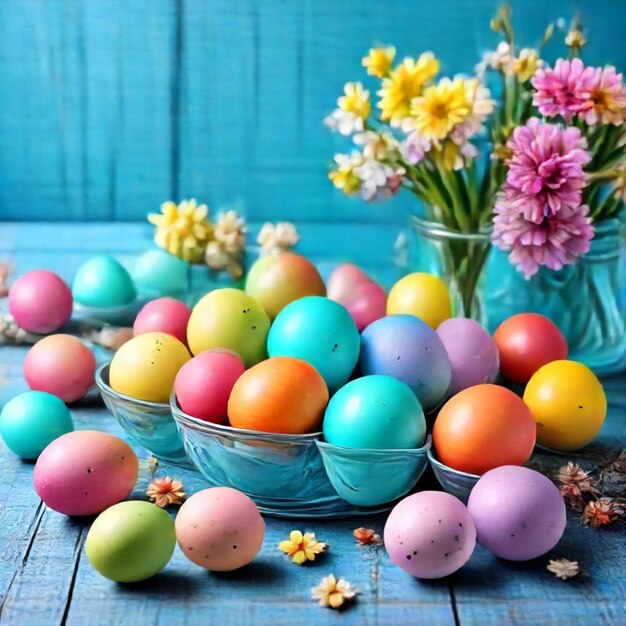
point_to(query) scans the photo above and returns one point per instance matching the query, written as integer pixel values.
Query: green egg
(158, 273)
(131, 541)
(103, 282)
(31, 421)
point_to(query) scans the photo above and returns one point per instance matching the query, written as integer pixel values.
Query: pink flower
(546, 169)
(608, 99)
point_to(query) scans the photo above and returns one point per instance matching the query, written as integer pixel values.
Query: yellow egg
(145, 367)
(423, 295)
(568, 403)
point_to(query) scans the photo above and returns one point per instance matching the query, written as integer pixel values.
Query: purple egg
(405, 347)
(430, 534)
(519, 513)
(472, 352)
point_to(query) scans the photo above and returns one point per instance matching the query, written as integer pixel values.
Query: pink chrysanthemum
(565, 89)
(546, 169)
(607, 103)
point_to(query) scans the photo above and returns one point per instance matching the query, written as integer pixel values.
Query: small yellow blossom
(575, 38)
(333, 593)
(379, 61)
(302, 547)
(356, 100)
(525, 65)
(344, 177)
(164, 491)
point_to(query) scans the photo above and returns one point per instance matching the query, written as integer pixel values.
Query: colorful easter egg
(103, 282)
(229, 318)
(158, 273)
(519, 513)
(568, 403)
(85, 472)
(430, 534)
(40, 302)
(321, 332)
(279, 395)
(526, 342)
(165, 315)
(145, 367)
(375, 412)
(406, 348)
(220, 529)
(31, 421)
(131, 541)
(61, 365)
(483, 427)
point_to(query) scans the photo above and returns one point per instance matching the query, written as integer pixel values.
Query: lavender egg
(430, 534)
(472, 352)
(519, 513)
(405, 347)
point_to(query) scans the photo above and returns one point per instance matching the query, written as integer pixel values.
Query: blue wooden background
(109, 107)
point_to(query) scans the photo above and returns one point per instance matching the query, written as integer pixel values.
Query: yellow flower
(403, 84)
(333, 593)
(379, 61)
(183, 230)
(301, 547)
(356, 100)
(575, 38)
(343, 177)
(440, 108)
(525, 65)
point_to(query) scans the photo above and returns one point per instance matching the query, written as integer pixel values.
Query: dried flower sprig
(367, 537)
(332, 593)
(277, 237)
(109, 337)
(11, 333)
(302, 547)
(5, 272)
(165, 491)
(225, 252)
(563, 568)
(602, 512)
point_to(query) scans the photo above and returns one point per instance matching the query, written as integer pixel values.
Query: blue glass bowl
(150, 424)
(453, 481)
(373, 477)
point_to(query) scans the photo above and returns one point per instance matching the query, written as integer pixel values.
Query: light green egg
(131, 541)
(158, 273)
(103, 282)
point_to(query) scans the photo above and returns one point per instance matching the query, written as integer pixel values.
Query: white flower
(414, 148)
(498, 59)
(230, 231)
(380, 146)
(379, 181)
(282, 235)
(345, 122)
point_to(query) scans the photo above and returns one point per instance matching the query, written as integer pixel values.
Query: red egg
(204, 383)
(526, 342)
(165, 315)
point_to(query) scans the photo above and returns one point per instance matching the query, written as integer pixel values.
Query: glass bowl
(150, 424)
(373, 477)
(453, 481)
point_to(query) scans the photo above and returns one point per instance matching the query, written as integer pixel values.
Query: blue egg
(32, 420)
(158, 273)
(321, 332)
(375, 412)
(407, 348)
(103, 282)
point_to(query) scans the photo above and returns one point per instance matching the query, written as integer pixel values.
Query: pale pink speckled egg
(40, 302)
(165, 315)
(85, 472)
(430, 534)
(220, 529)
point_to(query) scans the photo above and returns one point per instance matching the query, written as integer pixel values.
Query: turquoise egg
(158, 273)
(321, 332)
(376, 412)
(103, 282)
(32, 420)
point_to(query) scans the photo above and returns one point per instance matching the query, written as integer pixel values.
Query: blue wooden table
(45, 578)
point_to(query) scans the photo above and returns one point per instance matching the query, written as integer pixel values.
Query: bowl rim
(325, 445)
(107, 389)
(437, 463)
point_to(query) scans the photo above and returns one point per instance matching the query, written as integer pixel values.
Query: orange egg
(279, 395)
(483, 427)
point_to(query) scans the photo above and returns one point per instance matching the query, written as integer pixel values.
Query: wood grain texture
(109, 107)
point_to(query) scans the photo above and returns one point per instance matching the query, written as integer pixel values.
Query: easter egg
(375, 412)
(568, 403)
(85, 472)
(526, 342)
(203, 384)
(32, 420)
(103, 282)
(423, 295)
(279, 395)
(158, 273)
(220, 529)
(472, 352)
(321, 332)
(364, 299)
(145, 367)
(229, 318)
(279, 278)
(164, 315)
(40, 302)
(406, 348)
(131, 541)
(519, 513)
(483, 427)
(430, 534)
(61, 365)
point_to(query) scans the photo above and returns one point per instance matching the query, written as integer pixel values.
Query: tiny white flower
(414, 148)
(345, 122)
(282, 235)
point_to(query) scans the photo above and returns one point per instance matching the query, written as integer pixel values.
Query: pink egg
(40, 302)
(220, 529)
(165, 315)
(85, 472)
(430, 534)
(61, 365)
(204, 383)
